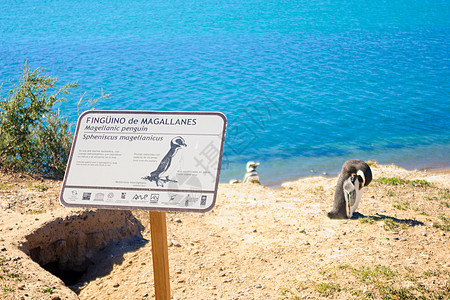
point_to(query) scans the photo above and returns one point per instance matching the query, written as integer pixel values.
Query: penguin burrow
(158, 174)
(354, 176)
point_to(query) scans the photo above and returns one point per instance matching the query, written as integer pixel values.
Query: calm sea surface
(305, 85)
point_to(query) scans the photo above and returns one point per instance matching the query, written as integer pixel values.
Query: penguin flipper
(339, 210)
(350, 192)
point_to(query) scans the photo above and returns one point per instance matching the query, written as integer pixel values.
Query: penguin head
(251, 166)
(357, 168)
(178, 142)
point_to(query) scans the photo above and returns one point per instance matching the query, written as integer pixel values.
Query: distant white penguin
(251, 176)
(354, 176)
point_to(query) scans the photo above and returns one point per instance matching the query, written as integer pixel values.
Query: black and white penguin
(354, 176)
(251, 176)
(175, 144)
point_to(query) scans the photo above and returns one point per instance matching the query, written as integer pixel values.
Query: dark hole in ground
(69, 277)
(74, 248)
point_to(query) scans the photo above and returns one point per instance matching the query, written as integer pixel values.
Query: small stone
(177, 220)
(178, 271)
(424, 234)
(258, 286)
(396, 238)
(402, 239)
(145, 295)
(116, 285)
(175, 243)
(413, 262)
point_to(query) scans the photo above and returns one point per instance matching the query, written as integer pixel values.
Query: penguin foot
(335, 215)
(152, 178)
(149, 178)
(167, 180)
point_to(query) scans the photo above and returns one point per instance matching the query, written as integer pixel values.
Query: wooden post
(160, 255)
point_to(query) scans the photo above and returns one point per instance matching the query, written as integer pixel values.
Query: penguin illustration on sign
(354, 176)
(158, 175)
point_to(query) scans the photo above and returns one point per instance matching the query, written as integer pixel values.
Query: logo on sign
(86, 196)
(203, 200)
(137, 197)
(154, 198)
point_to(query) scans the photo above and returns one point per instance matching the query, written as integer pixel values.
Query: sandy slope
(257, 243)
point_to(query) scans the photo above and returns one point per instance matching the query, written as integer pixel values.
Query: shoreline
(441, 170)
(275, 170)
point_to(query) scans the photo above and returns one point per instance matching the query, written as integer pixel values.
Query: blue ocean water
(305, 85)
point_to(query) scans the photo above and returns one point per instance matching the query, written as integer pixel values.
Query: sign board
(161, 161)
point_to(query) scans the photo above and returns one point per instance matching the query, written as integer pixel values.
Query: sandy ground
(257, 243)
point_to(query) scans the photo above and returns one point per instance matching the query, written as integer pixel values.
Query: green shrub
(34, 137)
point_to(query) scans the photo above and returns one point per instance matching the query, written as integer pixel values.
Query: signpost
(156, 161)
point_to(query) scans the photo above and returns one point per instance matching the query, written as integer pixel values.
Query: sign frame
(167, 118)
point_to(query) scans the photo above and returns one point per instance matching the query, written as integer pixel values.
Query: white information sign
(162, 161)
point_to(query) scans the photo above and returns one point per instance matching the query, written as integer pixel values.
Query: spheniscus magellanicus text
(157, 175)
(354, 176)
